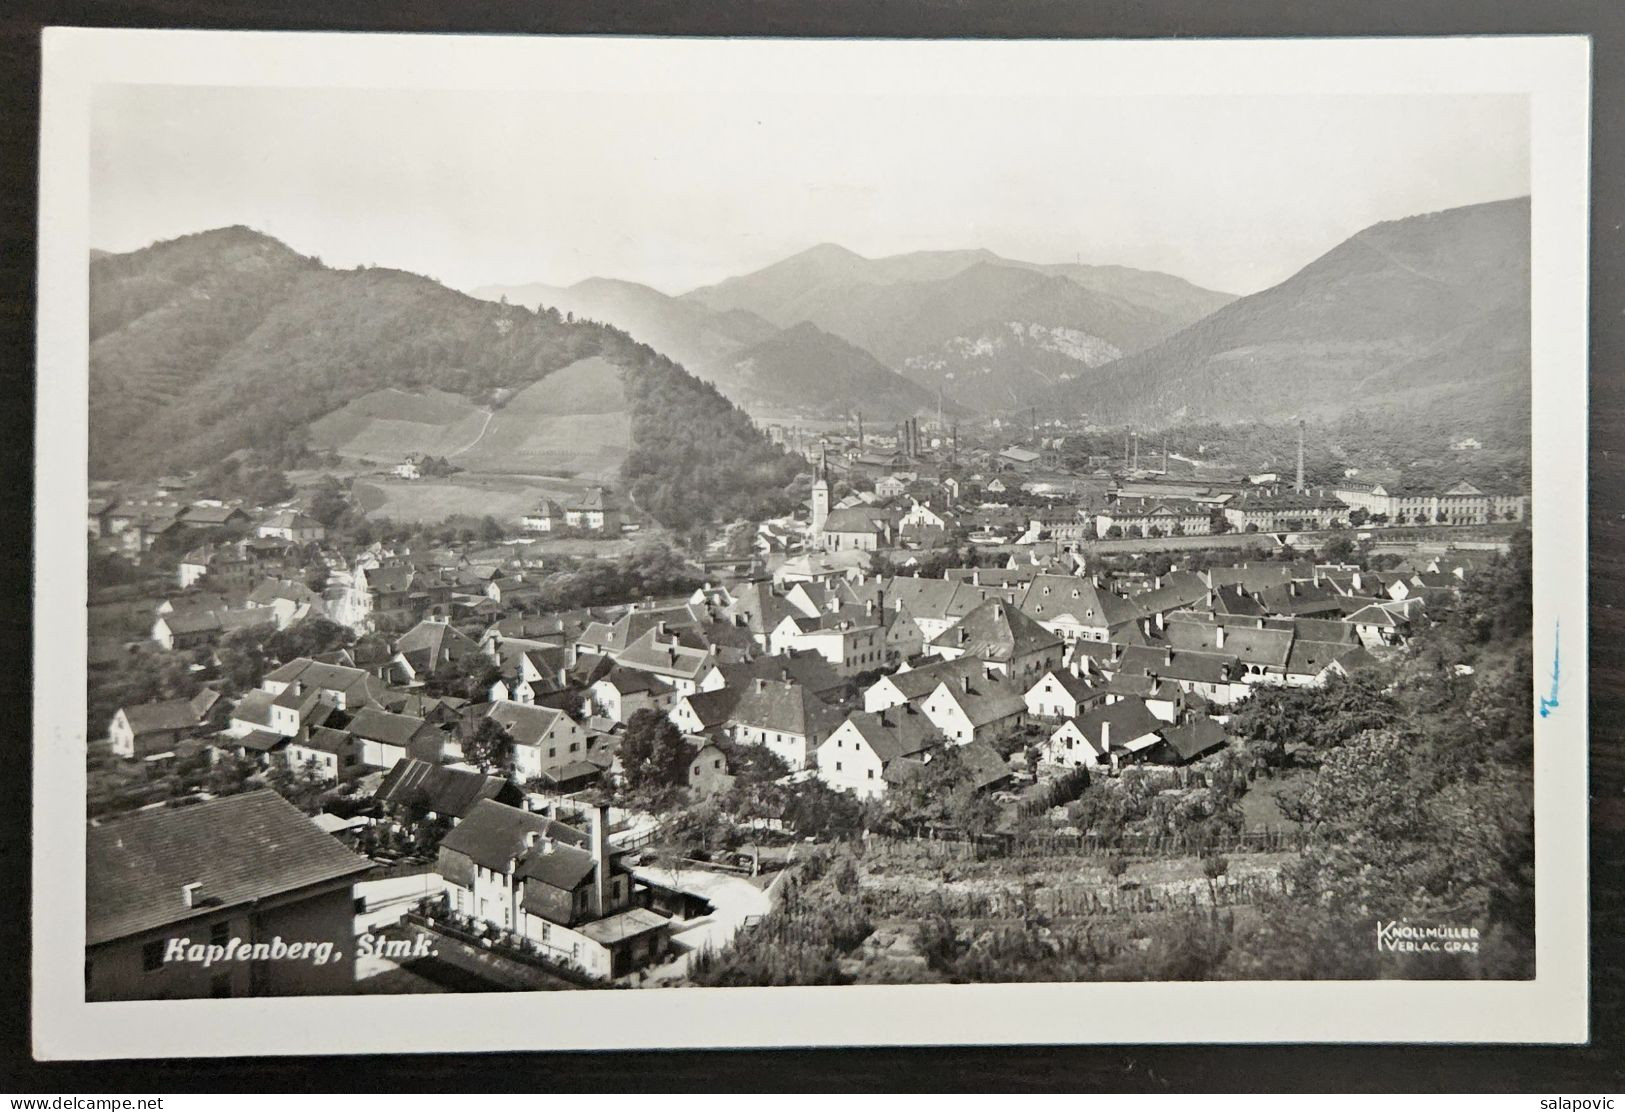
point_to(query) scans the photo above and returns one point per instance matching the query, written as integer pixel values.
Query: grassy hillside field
(574, 423)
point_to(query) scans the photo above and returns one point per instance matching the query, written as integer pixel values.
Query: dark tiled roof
(381, 725)
(896, 732)
(172, 714)
(240, 848)
(525, 724)
(714, 707)
(996, 630)
(1052, 598)
(1197, 667)
(784, 707)
(1198, 736)
(492, 834)
(432, 787)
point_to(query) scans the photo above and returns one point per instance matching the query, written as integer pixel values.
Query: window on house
(837, 766)
(152, 956)
(220, 933)
(871, 774)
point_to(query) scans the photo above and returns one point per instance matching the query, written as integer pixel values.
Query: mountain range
(986, 331)
(1424, 317)
(229, 339)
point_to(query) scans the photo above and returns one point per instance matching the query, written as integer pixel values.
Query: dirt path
(470, 445)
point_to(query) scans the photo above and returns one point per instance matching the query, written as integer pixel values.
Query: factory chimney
(1299, 486)
(860, 430)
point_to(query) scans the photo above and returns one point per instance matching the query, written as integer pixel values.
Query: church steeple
(820, 492)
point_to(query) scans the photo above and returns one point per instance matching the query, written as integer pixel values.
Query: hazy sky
(476, 187)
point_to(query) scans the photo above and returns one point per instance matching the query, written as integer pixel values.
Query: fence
(981, 847)
(390, 870)
(1069, 902)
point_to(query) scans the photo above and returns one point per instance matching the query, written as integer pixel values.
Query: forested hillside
(227, 339)
(806, 369)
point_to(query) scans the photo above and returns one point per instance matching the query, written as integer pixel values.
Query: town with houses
(419, 751)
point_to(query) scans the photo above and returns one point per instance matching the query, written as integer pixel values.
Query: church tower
(820, 494)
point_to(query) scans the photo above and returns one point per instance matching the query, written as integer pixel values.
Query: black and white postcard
(808, 542)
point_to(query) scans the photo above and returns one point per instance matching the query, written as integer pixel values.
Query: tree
(489, 746)
(467, 677)
(1358, 516)
(1214, 866)
(1114, 532)
(309, 637)
(302, 786)
(1339, 549)
(653, 752)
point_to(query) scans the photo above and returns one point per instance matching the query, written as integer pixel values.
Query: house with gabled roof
(783, 717)
(1060, 693)
(976, 707)
(678, 665)
(594, 508)
(805, 666)
(303, 688)
(927, 601)
(288, 600)
(559, 887)
(547, 742)
(706, 713)
(1314, 663)
(622, 692)
(213, 517)
(850, 644)
(1077, 609)
(432, 643)
(1378, 625)
(148, 730)
(1106, 735)
(1005, 639)
(856, 755)
(292, 526)
(190, 629)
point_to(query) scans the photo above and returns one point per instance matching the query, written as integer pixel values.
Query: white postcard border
(1553, 71)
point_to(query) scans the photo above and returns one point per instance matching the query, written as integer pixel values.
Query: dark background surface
(1600, 1066)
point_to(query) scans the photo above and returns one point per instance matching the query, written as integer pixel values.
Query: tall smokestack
(956, 442)
(598, 829)
(860, 430)
(1299, 486)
